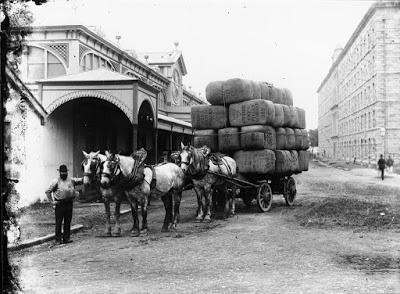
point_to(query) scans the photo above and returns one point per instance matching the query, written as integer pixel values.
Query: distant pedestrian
(389, 164)
(382, 166)
(62, 193)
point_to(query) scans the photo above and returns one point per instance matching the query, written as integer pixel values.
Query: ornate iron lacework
(90, 93)
(61, 50)
(115, 64)
(82, 50)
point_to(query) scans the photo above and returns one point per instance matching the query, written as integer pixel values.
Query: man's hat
(63, 168)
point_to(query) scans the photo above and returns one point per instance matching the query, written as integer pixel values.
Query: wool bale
(206, 137)
(265, 91)
(295, 167)
(279, 116)
(258, 137)
(290, 139)
(254, 112)
(214, 92)
(289, 116)
(288, 98)
(237, 90)
(298, 135)
(301, 118)
(256, 90)
(304, 159)
(286, 162)
(294, 122)
(228, 139)
(280, 138)
(257, 161)
(306, 142)
(209, 117)
(279, 96)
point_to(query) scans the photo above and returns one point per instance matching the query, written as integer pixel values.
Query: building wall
(359, 100)
(25, 152)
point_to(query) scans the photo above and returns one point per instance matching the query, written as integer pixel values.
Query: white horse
(139, 181)
(197, 164)
(91, 166)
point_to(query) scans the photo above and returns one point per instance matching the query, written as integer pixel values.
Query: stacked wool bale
(256, 123)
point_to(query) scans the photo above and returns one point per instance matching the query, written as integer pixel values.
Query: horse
(138, 181)
(197, 163)
(91, 167)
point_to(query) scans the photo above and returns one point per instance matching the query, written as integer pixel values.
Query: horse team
(119, 177)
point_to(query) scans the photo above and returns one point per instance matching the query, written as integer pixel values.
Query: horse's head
(110, 169)
(90, 166)
(186, 157)
(191, 158)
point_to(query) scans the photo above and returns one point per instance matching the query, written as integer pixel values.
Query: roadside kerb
(41, 240)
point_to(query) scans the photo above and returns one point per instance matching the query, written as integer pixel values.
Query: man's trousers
(63, 212)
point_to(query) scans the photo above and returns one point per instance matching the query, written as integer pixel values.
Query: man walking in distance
(382, 166)
(62, 193)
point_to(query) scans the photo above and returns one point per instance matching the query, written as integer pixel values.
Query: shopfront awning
(168, 123)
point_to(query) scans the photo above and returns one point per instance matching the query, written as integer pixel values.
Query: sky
(287, 43)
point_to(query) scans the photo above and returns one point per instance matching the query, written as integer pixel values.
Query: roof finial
(118, 37)
(146, 57)
(176, 46)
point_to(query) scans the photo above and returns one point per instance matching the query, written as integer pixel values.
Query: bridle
(94, 169)
(116, 169)
(187, 163)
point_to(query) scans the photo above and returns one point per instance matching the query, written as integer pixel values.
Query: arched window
(92, 61)
(42, 64)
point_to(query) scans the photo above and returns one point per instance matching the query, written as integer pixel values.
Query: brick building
(359, 99)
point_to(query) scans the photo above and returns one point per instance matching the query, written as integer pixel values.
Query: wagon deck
(263, 187)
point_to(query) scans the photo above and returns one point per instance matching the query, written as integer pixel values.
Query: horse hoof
(164, 230)
(207, 219)
(135, 234)
(143, 231)
(198, 220)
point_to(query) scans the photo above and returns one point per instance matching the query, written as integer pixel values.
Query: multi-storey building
(87, 94)
(359, 99)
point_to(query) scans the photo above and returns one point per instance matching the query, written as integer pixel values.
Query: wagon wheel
(264, 197)
(289, 192)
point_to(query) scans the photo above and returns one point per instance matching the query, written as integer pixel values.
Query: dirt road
(274, 252)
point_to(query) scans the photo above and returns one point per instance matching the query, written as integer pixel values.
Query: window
(369, 120)
(35, 63)
(92, 61)
(37, 67)
(54, 66)
(373, 119)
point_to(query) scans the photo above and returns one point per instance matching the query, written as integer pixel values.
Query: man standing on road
(389, 164)
(62, 193)
(382, 166)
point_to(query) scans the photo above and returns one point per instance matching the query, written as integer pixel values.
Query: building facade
(92, 95)
(359, 99)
